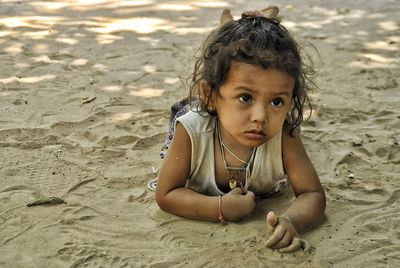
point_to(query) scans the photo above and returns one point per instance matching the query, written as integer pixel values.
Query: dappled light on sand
(81, 5)
(69, 41)
(382, 45)
(27, 80)
(44, 58)
(79, 62)
(14, 48)
(171, 81)
(375, 61)
(106, 39)
(36, 22)
(37, 35)
(112, 88)
(175, 7)
(389, 25)
(138, 25)
(147, 92)
(149, 68)
(212, 4)
(118, 117)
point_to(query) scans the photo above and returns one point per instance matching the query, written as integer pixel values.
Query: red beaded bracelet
(221, 217)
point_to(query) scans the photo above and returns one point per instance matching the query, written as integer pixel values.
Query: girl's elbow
(323, 201)
(160, 199)
(163, 202)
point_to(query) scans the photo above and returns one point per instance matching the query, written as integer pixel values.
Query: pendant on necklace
(234, 183)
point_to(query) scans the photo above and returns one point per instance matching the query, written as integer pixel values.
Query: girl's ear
(207, 95)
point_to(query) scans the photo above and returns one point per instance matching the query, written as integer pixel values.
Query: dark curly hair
(254, 40)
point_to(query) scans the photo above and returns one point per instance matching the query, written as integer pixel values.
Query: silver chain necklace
(246, 164)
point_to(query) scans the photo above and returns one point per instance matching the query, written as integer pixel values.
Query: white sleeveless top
(267, 174)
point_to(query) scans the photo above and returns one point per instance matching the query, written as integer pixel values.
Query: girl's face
(252, 104)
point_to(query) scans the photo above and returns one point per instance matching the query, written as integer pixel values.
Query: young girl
(240, 137)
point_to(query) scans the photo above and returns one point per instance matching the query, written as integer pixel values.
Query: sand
(85, 91)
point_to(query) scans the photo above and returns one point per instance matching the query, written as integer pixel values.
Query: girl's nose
(259, 114)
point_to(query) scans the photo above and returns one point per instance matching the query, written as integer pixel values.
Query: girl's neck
(242, 152)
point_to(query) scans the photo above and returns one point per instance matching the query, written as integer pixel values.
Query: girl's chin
(253, 142)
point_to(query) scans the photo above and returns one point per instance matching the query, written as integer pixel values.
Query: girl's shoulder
(197, 122)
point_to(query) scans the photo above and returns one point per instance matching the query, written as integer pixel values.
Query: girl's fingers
(237, 190)
(294, 246)
(250, 195)
(272, 220)
(276, 237)
(284, 242)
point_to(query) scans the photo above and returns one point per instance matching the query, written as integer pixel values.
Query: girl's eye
(277, 102)
(246, 98)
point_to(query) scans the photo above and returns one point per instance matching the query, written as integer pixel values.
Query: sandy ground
(85, 90)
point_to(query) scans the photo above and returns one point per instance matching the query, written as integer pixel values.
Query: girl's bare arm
(309, 205)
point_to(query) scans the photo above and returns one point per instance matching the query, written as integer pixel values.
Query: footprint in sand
(45, 171)
(29, 139)
(144, 143)
(66, 128)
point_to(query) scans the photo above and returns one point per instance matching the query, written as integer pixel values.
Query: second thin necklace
(246, 164)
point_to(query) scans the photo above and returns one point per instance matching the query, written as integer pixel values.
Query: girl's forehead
(240, 72)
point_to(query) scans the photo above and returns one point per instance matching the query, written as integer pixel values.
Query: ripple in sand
(377, 229)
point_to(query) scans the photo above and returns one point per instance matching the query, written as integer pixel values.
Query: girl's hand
(285, 237)
(237, 205)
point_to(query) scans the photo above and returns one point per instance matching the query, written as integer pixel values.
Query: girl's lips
(255, 134)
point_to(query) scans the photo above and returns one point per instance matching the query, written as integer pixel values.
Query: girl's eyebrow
(285, 93)
(279, 93)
